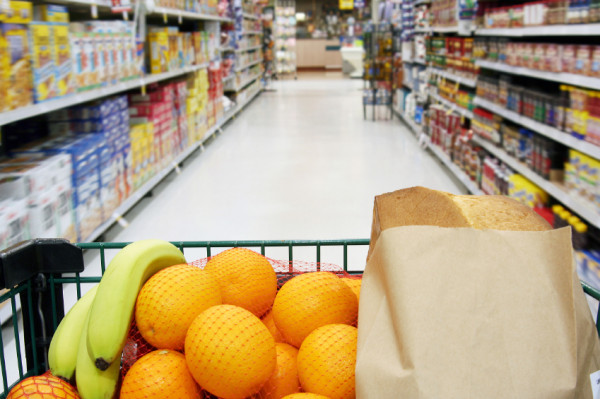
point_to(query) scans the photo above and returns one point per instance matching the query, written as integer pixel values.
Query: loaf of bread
(423, 206)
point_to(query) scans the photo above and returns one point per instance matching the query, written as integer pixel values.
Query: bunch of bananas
(99, 322)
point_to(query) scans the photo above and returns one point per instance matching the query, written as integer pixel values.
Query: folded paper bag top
(465, 313)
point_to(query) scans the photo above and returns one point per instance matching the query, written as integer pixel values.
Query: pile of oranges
(228, 331)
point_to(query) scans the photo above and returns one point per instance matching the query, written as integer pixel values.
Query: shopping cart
(34, 274)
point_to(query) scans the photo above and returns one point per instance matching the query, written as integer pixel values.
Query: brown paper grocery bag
(464, 313)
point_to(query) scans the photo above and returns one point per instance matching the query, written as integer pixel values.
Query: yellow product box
(4, 70)
(18, 75)
(159, 51)
(65, 84)
(51, 13)
(42, 61)
(20, 12)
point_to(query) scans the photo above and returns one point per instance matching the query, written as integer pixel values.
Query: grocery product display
(507, 98)
(96, 115)
(285, 37)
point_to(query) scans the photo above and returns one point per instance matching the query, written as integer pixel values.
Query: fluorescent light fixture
(300, 16)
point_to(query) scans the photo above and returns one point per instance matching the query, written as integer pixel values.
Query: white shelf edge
(445, 29)
(252, 32)
(569, 78)
(572, 201)
(250, 16)
(248, 65)
(244, 83)
(90, 95)
(248, 49)
(88, 3)
(224, 49)
(186, 14)
(464, 112)
(414, 61)
(456, 171)
(228, 78)
(545, 130)
(137, 195)
(546, 30)
(456, 78)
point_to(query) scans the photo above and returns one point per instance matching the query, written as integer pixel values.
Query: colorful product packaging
(42, 61)
(19, 74)
(51, 13)
(63, 62)
(158, 41)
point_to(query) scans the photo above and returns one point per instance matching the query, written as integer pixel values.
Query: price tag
(121, 220)
(143, 87)
(125, 16)
(94, 11)
(165, 19)
(180, 18)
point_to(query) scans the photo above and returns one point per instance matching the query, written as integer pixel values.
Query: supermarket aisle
(298, 163)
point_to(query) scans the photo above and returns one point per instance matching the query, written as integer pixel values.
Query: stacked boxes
(170, 50)
(526, 192)
(582, 176)
(197, 105)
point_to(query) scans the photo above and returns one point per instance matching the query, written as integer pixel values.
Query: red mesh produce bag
(314, 298)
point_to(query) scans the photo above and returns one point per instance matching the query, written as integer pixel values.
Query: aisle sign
(346, 4)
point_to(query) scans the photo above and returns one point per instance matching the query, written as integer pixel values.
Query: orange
(312, 300)
(284, 380)
(44, 386)
(230, 352)
(247, 279)
(270, 323)
(354, 284)
(326, 361)
(159, 374)
(305, 395)
(170, 300)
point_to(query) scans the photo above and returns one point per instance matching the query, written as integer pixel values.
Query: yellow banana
(112, 311)
(91, 382)
(62, 354)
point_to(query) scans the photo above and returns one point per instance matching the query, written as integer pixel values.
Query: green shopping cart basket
(34, 275)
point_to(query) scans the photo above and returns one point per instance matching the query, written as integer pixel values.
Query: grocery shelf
(456, 78)
(250, 16)
(252, 32)
(422, 30)
(248, 49)
(420, 2)
(173, 12)
(225, 49)
(574, 202)
(228, 78)
(248, 65)
(546, 30)
(445, 29)
(545, 130)
(100, 4)
(415, 61)
(85, 96)
(416, 129)
(568, 78)
(456, 171)
(464, 112)
(153, 182)
(245, 83)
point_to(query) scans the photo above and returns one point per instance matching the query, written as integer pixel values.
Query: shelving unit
(416, 129)
(464, 112)
(244, 83)
(545, 130)
(248, 65)
(250, 16)
(567, 78)
(185, 14)
(575, 203)
(546, 30)
(460, 79)
(252, 32)
(140, 193)
(248, 49)
(86, 96)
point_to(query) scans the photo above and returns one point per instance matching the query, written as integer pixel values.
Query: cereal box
(62, 60)
(21, 12)
(51, 13)
(4, 71)
(20, 82)
(42, 62)
(159, 50)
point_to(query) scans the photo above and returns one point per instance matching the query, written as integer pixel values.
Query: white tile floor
(298, 163)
